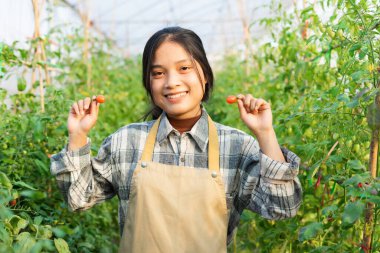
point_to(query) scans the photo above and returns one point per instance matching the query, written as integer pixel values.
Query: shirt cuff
(277, 170)
(71, 160)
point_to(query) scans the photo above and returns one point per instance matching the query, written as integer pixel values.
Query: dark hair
(191, 42)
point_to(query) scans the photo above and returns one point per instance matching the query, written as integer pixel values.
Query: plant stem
(369, 213)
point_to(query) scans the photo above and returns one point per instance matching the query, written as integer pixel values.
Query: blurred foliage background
(321, 79)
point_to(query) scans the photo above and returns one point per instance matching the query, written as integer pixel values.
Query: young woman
(182, 179)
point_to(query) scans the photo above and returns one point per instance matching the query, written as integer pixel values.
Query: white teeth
(177, 95)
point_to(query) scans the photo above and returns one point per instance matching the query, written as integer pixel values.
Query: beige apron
(175, 209)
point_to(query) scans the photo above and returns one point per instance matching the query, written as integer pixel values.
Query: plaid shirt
(252, 180)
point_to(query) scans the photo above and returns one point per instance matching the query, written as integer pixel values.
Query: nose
(172, 80)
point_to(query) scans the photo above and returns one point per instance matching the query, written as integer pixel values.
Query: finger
(75, 109)
(258, 104)
(95, 107)
(242, 110)
(240, 96)
(86, 105)
(80, 105)
(263, 105)
(92, 105)
(248, 100)
(252, 106)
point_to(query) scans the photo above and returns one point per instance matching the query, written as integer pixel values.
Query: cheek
(195, 82)
(155, 90)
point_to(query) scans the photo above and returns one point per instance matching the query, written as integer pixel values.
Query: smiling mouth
(173, 96)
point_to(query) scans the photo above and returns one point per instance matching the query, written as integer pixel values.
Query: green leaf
(23, 53)
(353, 103)
(362, 54)
(310, 231)
(354, 180)
(5, 236)
(5, 182)
(24, 185)
(58, 232)
(17, 224)
(86, 245)
(5, 248)
(352, 213)
(41, 245)
(358, 75)
(61, 245)
(3, 94)
(22, 236)
(355, 165)
(44, 232)
(25, 242)
(41, 166)
(329, 210)
(38, 220)
(343, 98)
(354, 48)
(21, 84)
(4, 211)
(35, 195)
(307, 12)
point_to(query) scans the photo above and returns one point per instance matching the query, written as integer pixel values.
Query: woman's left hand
(255, 113)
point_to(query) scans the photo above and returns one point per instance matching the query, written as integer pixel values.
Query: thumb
(94, 107)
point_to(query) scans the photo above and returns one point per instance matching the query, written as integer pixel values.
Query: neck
(184, 125)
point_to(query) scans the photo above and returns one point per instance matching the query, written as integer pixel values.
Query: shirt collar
(199, 131)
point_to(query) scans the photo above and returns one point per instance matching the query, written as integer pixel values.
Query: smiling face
(177, 85)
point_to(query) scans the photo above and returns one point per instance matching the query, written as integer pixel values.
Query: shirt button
(143, 164)
(182, 159)
(214, 174)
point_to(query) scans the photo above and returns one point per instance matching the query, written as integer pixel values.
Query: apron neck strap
(213, 144)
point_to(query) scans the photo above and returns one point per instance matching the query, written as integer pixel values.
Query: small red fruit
(100, 99)
(231, 99)
(360, 185)
(12, 203)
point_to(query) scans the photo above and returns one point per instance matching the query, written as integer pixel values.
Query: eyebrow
(180, 61)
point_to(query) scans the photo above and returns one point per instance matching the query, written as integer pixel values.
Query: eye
(185, 68)
(157, 73)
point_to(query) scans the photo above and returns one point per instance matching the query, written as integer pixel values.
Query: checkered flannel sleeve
(84, 181)
(271, 188)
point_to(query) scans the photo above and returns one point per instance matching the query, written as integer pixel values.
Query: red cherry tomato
(12, 203)
(231, 99)
(100, 99)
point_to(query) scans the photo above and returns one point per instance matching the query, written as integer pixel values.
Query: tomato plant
(320, 74)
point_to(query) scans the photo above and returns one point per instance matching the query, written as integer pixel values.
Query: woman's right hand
(82, 117)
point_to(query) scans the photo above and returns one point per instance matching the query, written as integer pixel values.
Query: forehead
(170, 52)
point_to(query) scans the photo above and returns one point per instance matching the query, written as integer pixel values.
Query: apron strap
(213, 144)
